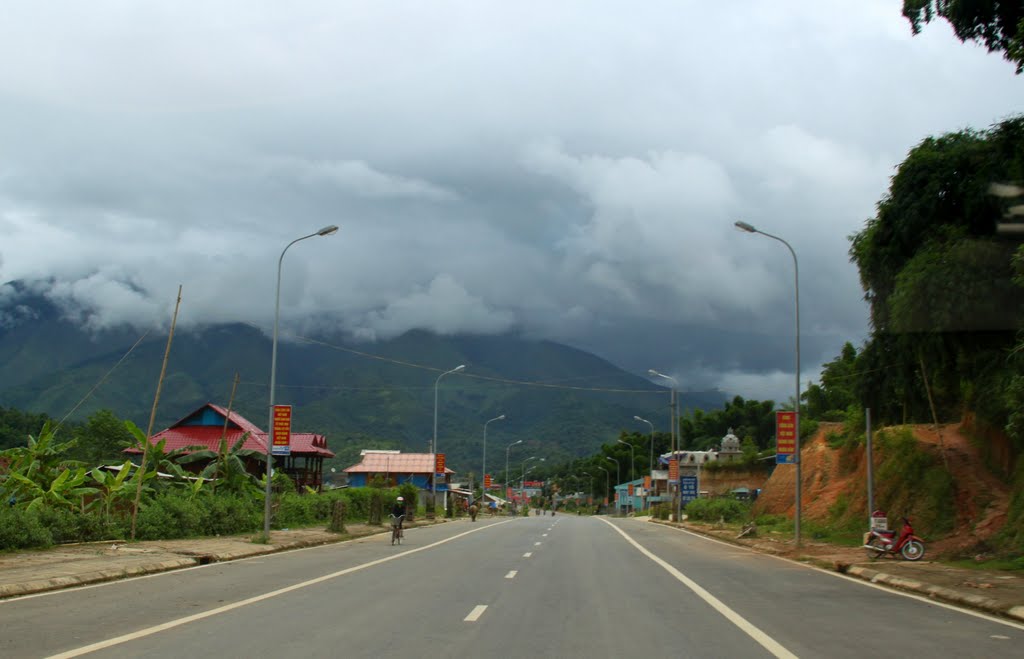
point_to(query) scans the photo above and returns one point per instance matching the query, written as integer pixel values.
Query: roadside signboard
(281, 442)
(439, 463)
(647, 482)
(673, 469)
(487, 481)
(630, 489)
(785, 438)
(879, 521)
(688, 488)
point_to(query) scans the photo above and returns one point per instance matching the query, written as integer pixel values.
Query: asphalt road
(544, 586)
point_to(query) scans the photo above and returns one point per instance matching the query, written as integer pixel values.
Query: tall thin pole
(326, 231)
(796, 402)
(152, 414)
(871, 477)
(483, 469)
(433, 444)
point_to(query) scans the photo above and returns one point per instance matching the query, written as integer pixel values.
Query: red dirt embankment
(833, 476)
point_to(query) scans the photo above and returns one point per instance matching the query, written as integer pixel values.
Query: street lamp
(522, 472)
(673, 487)
(483, 471)
(433, 445)
(796, 401)
(507, 449)
(632, 464)
(618, 477)
(607, 477)
(326, 231)
(643, 420)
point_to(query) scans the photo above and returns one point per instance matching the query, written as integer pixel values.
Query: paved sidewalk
(27, 572)
(996, 592)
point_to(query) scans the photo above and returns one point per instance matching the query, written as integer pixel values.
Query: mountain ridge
(561, 401)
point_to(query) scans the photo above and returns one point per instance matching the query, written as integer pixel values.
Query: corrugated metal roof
(208, 437)
(402, 463)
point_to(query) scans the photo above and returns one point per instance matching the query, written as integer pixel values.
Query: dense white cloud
(571, 170)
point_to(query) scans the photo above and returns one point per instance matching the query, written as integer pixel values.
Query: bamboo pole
(152, 414)
(224, 432)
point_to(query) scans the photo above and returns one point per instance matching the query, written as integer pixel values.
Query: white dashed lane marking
(511, 574)
(528, 554)
(475, 614)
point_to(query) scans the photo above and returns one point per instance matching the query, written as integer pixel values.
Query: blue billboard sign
(688, 488)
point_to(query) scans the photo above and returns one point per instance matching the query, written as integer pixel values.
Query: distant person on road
(398, 510)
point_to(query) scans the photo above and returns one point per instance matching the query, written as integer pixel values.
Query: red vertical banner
(439, 463)
(281, 442)
(673, 470)
(630, 489)
(487, 481)
(785, 437)
(508, 493)
(647, 482)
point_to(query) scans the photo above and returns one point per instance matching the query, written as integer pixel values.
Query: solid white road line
(86, 649)
(766, 641)
(475, 614)
(512, 574)
(857, 580)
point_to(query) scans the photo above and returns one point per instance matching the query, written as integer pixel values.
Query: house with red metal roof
(204, 427)
(396, 468)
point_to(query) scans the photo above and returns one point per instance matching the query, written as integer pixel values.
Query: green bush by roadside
(712, 510)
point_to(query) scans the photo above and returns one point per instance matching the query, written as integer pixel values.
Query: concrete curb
(947, 595)
(189, 558)
(99, 576)
(937, 592)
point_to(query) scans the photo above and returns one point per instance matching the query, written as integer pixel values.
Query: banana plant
(227, 465)
(33, 469)
(64, 491)
(113, 486)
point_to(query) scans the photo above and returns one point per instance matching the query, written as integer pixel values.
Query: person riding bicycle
(398, 512)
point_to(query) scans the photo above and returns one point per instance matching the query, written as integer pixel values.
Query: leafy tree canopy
(940, 281)
(998, 24)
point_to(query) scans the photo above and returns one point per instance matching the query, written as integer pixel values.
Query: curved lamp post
(433, 445)
(650, 468)
(644, 421)
(326, 231)
(507, 449)
(618, 477)
(796, 401)
(483, 470)
(607, 477)
(523, 472)
(673, 487)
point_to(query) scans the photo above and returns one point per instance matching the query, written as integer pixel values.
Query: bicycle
(396, 529)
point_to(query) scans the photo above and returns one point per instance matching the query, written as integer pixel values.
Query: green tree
(944, 312)
(998, 24)
(829, 400)
(102, 439)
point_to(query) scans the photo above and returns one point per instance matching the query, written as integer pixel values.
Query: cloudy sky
(571, 170)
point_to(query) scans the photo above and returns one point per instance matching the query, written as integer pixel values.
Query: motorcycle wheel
(877, 548)
(913, 550)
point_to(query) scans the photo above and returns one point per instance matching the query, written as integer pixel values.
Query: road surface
(540, 586)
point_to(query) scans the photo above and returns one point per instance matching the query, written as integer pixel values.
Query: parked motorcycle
(908, 545)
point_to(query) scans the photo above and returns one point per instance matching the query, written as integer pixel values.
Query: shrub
(170, 515)
(297, 510)
(730, 510)
(228, 514)
(21, 529)
(72, 526)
